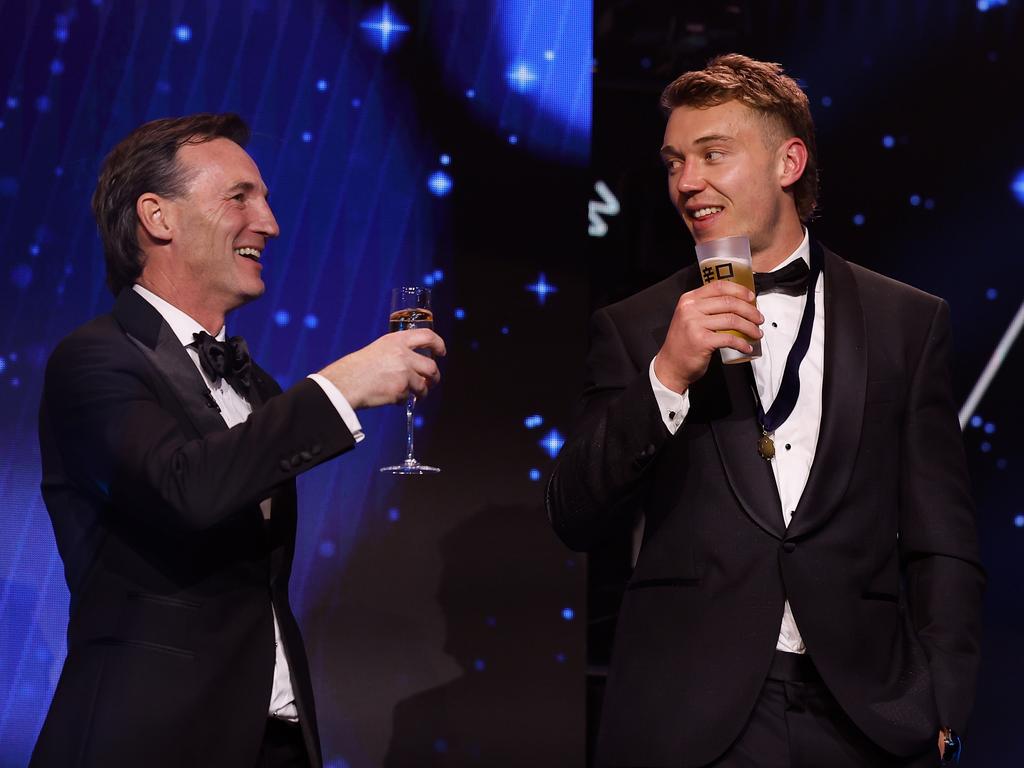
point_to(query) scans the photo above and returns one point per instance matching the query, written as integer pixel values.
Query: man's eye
(673, 164)
(240, 197)
(713, 155)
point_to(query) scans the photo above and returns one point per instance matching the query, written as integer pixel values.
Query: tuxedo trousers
(797, 723)
(282, 746)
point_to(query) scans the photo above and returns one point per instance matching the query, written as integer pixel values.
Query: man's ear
(792, 161)
(155, 216)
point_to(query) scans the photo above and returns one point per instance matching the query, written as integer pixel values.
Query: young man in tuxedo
(169, 462)
(808, 588)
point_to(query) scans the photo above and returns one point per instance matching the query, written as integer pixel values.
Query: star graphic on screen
(386, 25)
(542, 288)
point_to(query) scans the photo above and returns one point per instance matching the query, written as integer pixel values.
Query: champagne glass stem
(410, 404)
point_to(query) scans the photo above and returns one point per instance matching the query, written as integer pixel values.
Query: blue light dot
(521, 77)
(58, 171)
(991, 294)
(985, 446)
(439, 183)
(12, 102)
(307, 136)
(34, 249)
(470, 93)
(43, 103)
(440, 745)
(560, 657)
(394, 514)
(15, 383)
(888, 141)
(56, 66)
(915, 199)
(60, 34)
(549, 55)
(3, 365)
(438, 275)
(983, 5)
(417, 421)
(826, 101)
(533, 421)
(460, 313)
(327, 548)
(428, 280)
(568, 614)
(504, 330)
(282, 317)
(479, 665)
(183, 33)
(535, 475)
(13, 357)
(445, 159)
(1019, 521)
(858, 219)
(1017, 186)
(976, 421)
(321, 85)
(929, 204)
(513, 139)
(357, 103)
(310, 321)
(990, 428)
(552, 443)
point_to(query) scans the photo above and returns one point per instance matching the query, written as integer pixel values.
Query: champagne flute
(410, 308)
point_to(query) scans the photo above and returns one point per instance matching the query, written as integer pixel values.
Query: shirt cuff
(672, 405)
(340, 405)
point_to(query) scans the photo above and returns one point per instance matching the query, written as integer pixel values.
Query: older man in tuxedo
(808, 589)
(169, 464)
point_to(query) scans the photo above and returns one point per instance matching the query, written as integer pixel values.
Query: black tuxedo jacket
(171, 567)
(879, 563)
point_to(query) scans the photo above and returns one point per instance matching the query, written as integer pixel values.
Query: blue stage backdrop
(442, 143)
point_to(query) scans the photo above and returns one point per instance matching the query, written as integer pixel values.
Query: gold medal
(766, 447)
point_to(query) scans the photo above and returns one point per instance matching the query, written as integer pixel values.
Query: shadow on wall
(519, 699)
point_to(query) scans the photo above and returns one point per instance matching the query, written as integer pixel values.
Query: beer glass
(410, 308)
(728, 258)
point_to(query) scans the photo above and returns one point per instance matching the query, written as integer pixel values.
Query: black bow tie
(228, 360)
(791, 279)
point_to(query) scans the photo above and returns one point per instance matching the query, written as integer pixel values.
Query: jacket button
(306, 455)
(296, 460)
(788, 546)
(315, 450)
(286, 465)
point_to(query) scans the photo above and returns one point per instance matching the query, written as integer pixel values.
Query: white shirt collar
(181, 324)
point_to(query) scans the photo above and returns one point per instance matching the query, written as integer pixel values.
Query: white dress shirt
(796, 438)
(235, 409)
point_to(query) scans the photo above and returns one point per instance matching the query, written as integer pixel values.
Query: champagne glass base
(411, 467)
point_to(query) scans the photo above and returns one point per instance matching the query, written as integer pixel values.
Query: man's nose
(689, 180)
(265, 222)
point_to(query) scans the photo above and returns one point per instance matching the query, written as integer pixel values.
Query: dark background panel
(922, 179)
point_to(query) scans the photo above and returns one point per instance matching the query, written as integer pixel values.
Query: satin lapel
(734, 426)
(162, 348)
(842, 399)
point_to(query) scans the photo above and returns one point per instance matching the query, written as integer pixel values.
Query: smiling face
(220, 226)
(728, 174)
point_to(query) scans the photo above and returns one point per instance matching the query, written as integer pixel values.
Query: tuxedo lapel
(154, 338)
(725, 397)
(843, 392)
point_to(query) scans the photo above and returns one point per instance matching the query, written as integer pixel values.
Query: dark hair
(146, 161)
(765, 88)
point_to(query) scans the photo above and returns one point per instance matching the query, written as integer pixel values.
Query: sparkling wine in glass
(410, 308)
